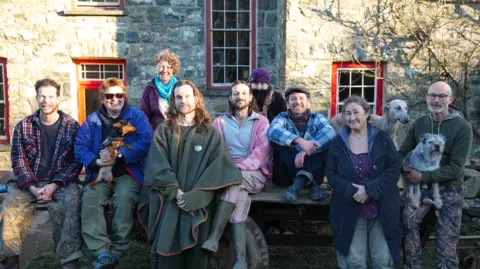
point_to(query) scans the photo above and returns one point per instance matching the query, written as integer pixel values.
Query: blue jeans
(367, 238)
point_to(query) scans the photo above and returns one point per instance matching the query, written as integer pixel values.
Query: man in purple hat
(269, 101)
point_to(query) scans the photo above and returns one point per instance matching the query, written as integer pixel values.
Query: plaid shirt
(318, 129)
(26, 151)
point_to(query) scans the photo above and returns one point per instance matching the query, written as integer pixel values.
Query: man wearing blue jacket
(128, 165)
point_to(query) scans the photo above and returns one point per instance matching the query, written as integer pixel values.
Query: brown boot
(71, 265)
(11, 262)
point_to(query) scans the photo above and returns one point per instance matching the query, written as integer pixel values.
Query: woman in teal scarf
(155, 96)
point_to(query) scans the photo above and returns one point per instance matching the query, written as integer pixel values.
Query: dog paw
(428, 201)
(438, 203)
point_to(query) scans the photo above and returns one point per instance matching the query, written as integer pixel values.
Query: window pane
(244, 5)
(2, 127)
(218, 20)
(231, 57)
(356, 91)
(217, 4)
(92, 67)
(112, 75)
(231, 73)
(231, 20)
(2, 92)
(243, 57)
(218, 75)
(243, 73)
(372, 109)
(339, 109)
(2, 111)
(1, 73)
(218, 57)
(343, 94)
(92, 75)
(243, 20)
(357, 77)
(369, 93)
(244, 39)
(218, 38)
(111, 67)
(344, 77)
(231, 39)
(369, 78)
(230, 4)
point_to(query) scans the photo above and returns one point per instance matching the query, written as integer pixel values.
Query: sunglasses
(111, 95)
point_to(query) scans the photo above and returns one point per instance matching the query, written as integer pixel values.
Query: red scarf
(300, 121)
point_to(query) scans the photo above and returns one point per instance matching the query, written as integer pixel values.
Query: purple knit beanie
(260, 75)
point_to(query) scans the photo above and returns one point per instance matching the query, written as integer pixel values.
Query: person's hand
(361, 196)
(308, 146)
(412, 175)
(181, 202)
(299, 159)
(105, 163)
(46, 192)
(105, 155)
(33, 190)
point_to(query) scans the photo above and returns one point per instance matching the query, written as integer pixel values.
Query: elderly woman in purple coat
(154, 102)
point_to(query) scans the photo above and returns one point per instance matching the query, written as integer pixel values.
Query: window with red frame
(4, 126)
(103, 4)
(362, 79)
(231, 41)
(91, 73)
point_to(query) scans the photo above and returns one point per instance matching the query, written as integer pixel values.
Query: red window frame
(6, 139)
(121, 6)
(253, 43)
(379, 70)
(83, 85)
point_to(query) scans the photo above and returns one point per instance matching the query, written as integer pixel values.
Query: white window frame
(98, 3)
(375, 89)
(102, 76)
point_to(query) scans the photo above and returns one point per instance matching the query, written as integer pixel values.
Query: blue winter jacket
(88, 143)
(382, 187)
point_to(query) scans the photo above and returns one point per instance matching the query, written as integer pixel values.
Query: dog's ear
(444, 139)
(386, 108)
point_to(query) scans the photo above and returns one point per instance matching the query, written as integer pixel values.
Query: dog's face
(398, 110)
(124, 127)
(433, 144)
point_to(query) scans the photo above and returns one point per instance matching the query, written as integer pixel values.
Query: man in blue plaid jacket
(301, 139)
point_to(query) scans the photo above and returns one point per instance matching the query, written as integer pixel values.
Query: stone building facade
(316, 43)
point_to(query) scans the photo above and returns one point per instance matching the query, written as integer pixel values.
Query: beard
(261, 96)
(49, 110)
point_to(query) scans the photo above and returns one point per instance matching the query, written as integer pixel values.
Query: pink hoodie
(259, 156)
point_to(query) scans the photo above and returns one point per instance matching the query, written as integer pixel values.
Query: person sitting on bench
(301, 139)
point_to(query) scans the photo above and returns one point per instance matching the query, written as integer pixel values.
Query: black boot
(222, 215)
(240, 245)
(11, 262)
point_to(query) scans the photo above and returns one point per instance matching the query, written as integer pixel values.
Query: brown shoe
(11, 263)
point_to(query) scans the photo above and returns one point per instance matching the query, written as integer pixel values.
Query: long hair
(231, 106)
(202, 117)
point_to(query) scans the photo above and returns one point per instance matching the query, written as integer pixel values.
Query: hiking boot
(11, 262)
(71, 265)
(105, 260)
(239, 244)
(222, 215)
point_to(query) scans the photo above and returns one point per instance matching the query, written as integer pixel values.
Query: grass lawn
(280, 258)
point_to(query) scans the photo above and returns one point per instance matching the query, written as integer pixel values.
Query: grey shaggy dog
(425, 157)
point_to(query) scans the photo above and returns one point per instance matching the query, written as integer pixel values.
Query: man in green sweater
(458, 133)
(187, 165)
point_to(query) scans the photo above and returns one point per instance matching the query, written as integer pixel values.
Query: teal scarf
(165, 90)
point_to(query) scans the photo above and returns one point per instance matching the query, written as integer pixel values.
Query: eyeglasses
(441, 97)
(111, 95)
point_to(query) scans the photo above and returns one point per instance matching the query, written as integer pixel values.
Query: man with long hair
(186, 166)
(245, 135)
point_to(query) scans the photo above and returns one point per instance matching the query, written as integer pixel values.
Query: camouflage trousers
(18, 213)
(447, 224)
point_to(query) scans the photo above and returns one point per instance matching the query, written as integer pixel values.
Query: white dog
(394, 113)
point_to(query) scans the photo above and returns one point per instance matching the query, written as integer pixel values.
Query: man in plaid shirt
(301, 139)
(46, 172)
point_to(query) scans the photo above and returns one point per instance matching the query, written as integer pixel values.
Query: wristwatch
(119, 154)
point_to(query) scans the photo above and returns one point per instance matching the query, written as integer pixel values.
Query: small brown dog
(111, 144)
